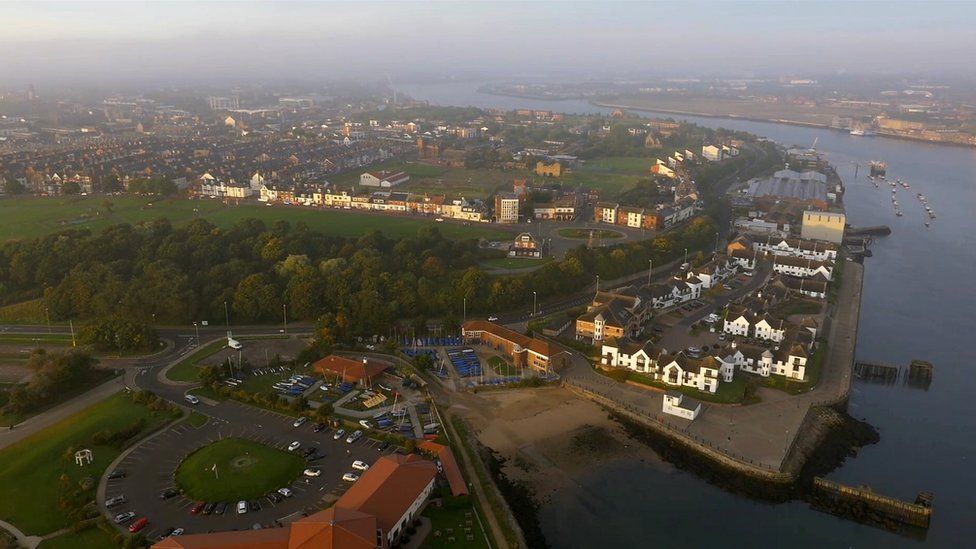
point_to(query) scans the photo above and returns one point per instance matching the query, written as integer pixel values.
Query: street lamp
(226, 316)
(48, 317)
(197, 328)
(284, 314)
(534, 296)
(650, 267)
(686, 255)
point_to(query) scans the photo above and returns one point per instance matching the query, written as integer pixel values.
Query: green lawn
(93, 538)
(727, 393)
(638, 165)
(25, 312)
(33, 217)
(515, 262)
(29, 469)
(610, 185)
(196, 419)
(186, 369)
(244, 470)
(585, 233)
(98, 377)
(457, 519)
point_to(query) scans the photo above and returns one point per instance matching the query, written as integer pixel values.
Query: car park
(254, 505)
(116, 473)
(114, 502)
(241, 507)
(138, 525)
(285, 492)
(168, 493)
(360, 465)
(197, 507)
(166, 533)
(309, 451)
(366, 424)
(312, 472)
(339, 434)
(350, 477)
(275, 497)
(354, 437)
(383, 446)
(300, 421)
(294, 446)
(319, 427)
(178, 532)
(220, 508)
(209, 508)
(123, 518)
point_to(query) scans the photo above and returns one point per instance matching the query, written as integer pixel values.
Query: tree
(255, 298)
(71, 187)
(14, 186)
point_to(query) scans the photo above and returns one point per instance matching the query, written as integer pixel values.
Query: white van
(234, 344)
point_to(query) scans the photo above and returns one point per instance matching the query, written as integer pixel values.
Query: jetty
(851, 500)
(877, 371)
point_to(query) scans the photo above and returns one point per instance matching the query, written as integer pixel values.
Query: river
(916, 303)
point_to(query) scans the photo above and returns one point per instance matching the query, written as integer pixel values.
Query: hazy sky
(241, 41)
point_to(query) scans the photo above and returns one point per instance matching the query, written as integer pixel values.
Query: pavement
(151, 465)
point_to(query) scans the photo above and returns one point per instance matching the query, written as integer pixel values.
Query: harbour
(908, 310)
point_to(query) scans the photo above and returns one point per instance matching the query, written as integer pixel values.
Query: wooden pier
(918, 514)
(877, 371)
(877, 230)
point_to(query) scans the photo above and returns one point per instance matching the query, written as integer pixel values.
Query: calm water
(918, 302)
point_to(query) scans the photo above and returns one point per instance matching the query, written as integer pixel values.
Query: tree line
(155, 273)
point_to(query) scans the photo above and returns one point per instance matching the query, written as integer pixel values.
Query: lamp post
(650, 267)
(534, 300)
(196, 327)
(716, 242)
(686, 255)
(47, 316)
(226, 316)
(284, 315)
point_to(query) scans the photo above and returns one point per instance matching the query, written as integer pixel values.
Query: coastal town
(426, 276)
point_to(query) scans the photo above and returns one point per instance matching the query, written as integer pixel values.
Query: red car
(197, 507)
(138, 525)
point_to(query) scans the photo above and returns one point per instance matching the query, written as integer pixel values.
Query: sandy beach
(549, 437)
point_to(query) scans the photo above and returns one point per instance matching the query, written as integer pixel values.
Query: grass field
(456, 520)
(25, 312)
(29, 469)
(636, 165)
(99, 376)
(245, 470)
(93, 538)
(186, 369)
(33, 217)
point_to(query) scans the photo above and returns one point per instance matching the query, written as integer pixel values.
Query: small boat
(921, 196)
(927, 224)
(898, 213)
(928, 208)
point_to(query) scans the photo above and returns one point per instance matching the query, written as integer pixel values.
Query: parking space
(150, 468)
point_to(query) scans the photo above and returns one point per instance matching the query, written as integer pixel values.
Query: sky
(182, 42)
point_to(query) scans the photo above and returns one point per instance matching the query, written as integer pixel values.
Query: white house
(711, 153)
(674, 292)
(383, 179)
(801, 267)
(702, 374)
(630, 354)
(796, 247)
(679, 405)
(770, 329)
(738, 322)
(789, 362)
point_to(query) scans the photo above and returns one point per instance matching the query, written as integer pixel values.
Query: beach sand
(549, 437)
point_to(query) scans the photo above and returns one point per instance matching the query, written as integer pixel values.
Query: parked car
(300, 421)
(125, 517)
(254, 505)
(354, 437)
(492, 318)
(220, 508)
(241, 507)
(209, 508)
(339, 434)
(192, 399)
(168, 493)
(360, 465)
(366, 424)
(350, 477)
(319, 427)
(138, 525)
(116, 473)
(274, 497)
(178, 532)
(294, 446)
(285, 492)
(166, 533)
(197, 507)
(114, 502)
(312, 472)
(383, 446)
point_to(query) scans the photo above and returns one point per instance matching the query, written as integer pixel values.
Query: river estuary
(917, 295)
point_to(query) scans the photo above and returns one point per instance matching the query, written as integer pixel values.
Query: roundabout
(235, 469)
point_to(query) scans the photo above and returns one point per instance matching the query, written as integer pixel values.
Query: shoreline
(730, 116)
